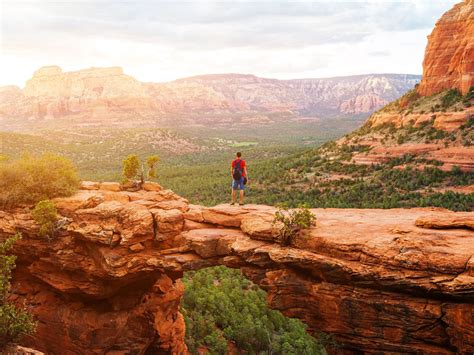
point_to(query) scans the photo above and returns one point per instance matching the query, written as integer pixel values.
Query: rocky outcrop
(104, 95)
(449, 221)
(446, 121)
(449, 56)
(379, 281)
(362, 104)
(450, 157)
(382, 144)
(98, 92)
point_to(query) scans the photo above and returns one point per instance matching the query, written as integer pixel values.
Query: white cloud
(164, 40)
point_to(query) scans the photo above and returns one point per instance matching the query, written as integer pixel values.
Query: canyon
(386, 281)
(107, 95)
(378, 281)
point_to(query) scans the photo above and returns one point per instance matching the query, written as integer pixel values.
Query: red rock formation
(379, 281)
(449, 56)
(94, 91)
(383, 146)
(460, 156)
(102, 95)
(446, 121)
(362, 104)
(448, 63)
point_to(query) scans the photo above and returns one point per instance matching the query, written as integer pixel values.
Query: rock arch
(377, 280)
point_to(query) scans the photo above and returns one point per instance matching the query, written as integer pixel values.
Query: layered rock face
(379, 281)
(449, 56)
(322, 97)
(101, 92)
(447, 121)
(451, 153)
(450, 157)
(107, 94)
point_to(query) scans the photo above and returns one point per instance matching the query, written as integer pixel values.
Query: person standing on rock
(238, 171)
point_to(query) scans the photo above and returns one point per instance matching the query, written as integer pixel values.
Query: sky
(163, 40)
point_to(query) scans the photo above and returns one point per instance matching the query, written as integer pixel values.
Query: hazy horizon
(163, 41)
(216, 74)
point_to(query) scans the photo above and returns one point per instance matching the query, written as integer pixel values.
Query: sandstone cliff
(99, 92)
(449, 56)
(442, 123)
(321, 97)
(107, 94)
(380, 281)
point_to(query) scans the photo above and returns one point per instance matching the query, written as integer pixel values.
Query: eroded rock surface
(449, 56)
(379, 281)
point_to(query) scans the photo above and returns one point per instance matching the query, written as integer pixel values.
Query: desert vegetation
(133, 167)
(412, 102)
(15, 322)
(30, 179)
(292, 223)
(222, 308)
(46, 215)
(316, 179)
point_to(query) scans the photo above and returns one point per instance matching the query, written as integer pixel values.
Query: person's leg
(241, 193)
(234, 189)
(233, 196)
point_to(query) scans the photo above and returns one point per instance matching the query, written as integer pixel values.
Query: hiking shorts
(238, 184)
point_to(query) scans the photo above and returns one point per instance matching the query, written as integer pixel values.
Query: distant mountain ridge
(109, 94)
(356, 94)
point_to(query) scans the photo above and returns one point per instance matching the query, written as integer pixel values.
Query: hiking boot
(232, 203)
(241, 204)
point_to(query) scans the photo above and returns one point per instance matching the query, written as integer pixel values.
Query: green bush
(31, 179)
(132, 167)
(293, 222)
(151, 163)
(220, 306)
(46, 215)
(451, 97)
(468, 97)
(15, 322)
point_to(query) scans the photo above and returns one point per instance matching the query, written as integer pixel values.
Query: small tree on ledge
(292, 223)
(133, 168)
(46, 215)
(151, 163)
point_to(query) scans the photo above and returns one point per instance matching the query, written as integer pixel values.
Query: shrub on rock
(292, 223)
(46, 215)
(31, 179)
(15, 322)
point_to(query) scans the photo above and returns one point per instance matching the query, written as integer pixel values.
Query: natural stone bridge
(379, 281)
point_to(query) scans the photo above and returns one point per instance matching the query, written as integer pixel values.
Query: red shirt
(242, 165)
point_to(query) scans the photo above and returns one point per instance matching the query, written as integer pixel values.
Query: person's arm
(245, 171)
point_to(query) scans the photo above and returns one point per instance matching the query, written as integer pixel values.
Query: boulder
(90, 185)
(456, 220)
